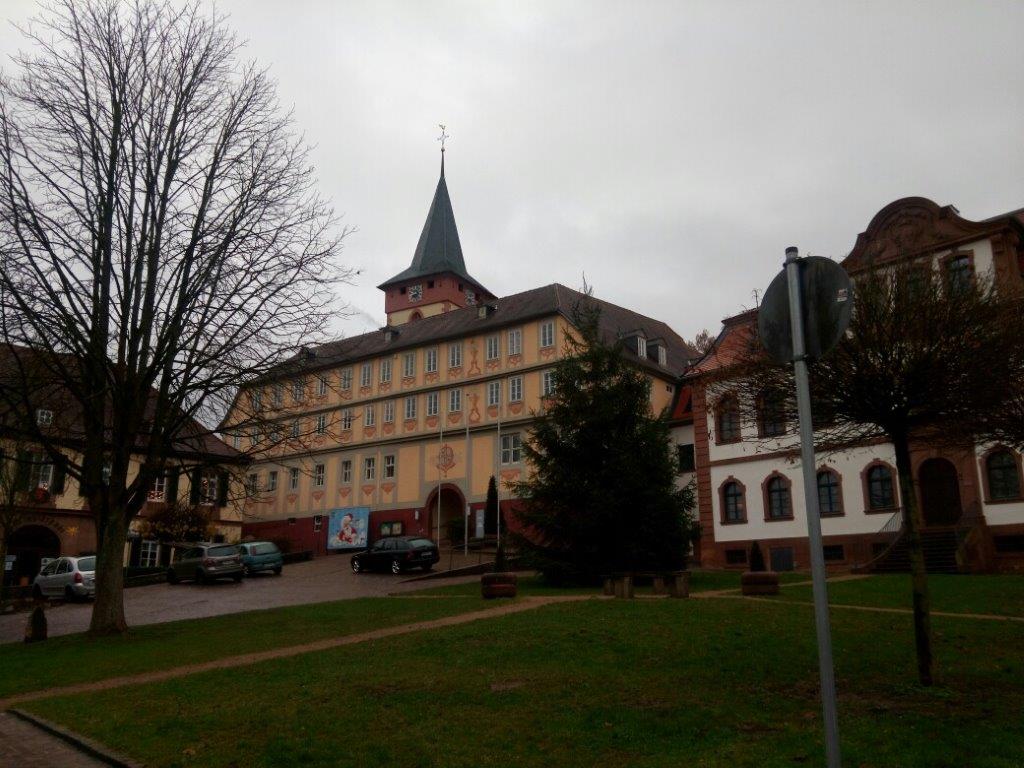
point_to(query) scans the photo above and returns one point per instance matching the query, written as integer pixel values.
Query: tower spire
(442, 138)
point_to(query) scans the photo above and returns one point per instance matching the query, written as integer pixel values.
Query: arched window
(778, 503)
(880, 490)
(733, 506)
(1003, 475)
(771, 416)
(830, 496)
(728, 427)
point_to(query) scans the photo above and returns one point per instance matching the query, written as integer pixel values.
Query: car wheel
(396, 566)
(37, 592)
(247, 570)
(277, 571)
(172, 577)
(356, 566)
(69, 594)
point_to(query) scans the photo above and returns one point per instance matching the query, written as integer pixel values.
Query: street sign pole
(821, 617)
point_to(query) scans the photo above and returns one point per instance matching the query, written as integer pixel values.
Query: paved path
(322, 580)
(526, 604)
(26, 746)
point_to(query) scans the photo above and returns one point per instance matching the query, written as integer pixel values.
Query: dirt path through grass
(526, 604)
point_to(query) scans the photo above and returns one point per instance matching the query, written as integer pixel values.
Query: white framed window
(369, 468)
(641, 346)
(409, 365)
(256, 400)
(389, 467)
(369, 416)
(346, 418)
(455, 355)
(321, 424)
(389, 412)
(158, 490)
(430, 366)
(236, 441)
(293, 478)
(662, 355)
(149, 551)
(385, 370)
(252, 483)
(278, 395)
(494, 393)
(432, 403)
(454, 400)
(511, 448)
(515, 341)
(547, 333)
(319, 475)
(298, 390)
(410, 407)
(44, 417)
(547, 383)
(321, 385)
(346, 470)
(515, 389)
(318, 523)
(346, 378)
(295, 429)
(208, 491)
(41, 475)
(493, 347)
(272, 480)
(366, 375)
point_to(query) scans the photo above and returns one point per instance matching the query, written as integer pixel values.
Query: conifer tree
(602, 496)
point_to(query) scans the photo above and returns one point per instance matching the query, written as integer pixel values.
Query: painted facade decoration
(347, 528)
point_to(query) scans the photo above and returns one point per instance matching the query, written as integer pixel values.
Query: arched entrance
(30, 544)
(940, 492)
(452, 507)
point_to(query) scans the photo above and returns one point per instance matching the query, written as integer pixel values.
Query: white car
(67, 577)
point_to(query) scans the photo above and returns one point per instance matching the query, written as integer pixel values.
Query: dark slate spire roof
(439, 249)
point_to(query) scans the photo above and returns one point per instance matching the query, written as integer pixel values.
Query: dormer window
(44, 418)
(662, 357)
(415, 292)
(470, 298)
(641, 346)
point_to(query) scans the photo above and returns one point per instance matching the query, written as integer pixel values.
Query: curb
(81, 743)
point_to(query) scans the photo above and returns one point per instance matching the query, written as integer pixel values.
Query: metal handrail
(895, 529)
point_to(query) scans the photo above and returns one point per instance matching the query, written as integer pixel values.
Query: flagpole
(497, 478)
(469, 488)
(440, 447)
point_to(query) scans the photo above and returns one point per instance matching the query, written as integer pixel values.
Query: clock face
(470, 298)
(415, 292)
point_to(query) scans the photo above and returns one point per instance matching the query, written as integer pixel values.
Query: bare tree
(924, 360)
(161, 242)
(703, 341)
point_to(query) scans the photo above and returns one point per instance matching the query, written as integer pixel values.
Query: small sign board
(827, 301)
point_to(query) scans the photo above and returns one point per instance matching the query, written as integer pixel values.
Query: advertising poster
(346, 528)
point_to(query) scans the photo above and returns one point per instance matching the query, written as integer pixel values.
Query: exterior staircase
(940, 546)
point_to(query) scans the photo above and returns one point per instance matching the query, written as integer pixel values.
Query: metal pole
(821, 618)
(440, 447)
(465, 531)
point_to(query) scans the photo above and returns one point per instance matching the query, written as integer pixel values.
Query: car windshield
(221, 551)
(263, 549)
(420, 543)
(87, 563)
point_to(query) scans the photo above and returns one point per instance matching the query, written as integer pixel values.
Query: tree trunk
(108, 608)
(918, 573)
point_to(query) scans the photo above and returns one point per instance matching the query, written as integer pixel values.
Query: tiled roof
(732, 345)
(539, 302)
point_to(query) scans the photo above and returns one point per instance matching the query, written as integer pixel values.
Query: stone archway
(30, 544)
(452, 507)
(940, 492)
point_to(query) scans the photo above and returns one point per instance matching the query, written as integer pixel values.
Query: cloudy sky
(667, 151)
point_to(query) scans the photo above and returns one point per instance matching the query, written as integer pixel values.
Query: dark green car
(260, 556)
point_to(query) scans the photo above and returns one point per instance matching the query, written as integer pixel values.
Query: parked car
(260, 556)
(68, 577)
(397, 553)
(206, 562)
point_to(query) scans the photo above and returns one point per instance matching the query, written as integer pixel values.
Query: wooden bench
(671, 583)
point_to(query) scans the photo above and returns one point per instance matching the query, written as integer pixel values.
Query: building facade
(750, 483)
(411, 421)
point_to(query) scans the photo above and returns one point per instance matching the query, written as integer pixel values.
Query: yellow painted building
(411, 421)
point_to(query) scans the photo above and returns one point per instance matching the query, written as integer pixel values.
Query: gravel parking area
(317, 581)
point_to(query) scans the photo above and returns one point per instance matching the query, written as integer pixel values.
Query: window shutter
(222, 489)
(171, 489)
(196, 486)
(21, 472)
(59, 474)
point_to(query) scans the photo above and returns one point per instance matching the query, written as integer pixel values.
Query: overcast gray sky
(669, 151)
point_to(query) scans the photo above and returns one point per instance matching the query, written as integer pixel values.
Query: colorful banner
(346, 528)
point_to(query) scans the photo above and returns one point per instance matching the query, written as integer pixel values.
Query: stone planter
(494, 585)
(759, 583)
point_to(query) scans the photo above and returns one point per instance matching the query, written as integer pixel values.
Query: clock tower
(437, 280)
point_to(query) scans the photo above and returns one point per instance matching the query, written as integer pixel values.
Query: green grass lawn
(78, 659)
(1001, 595)
(709, 683)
